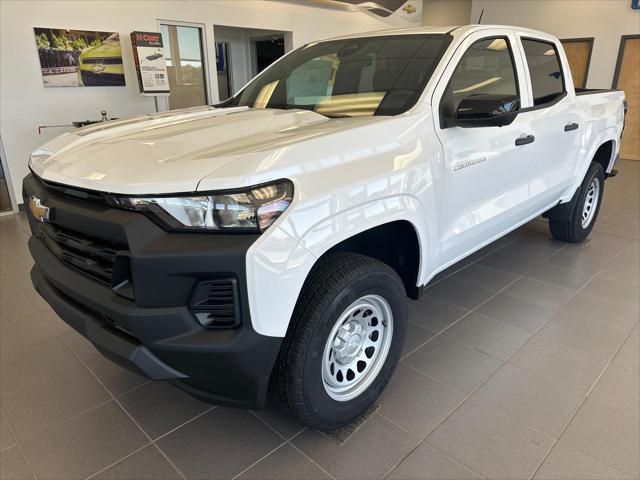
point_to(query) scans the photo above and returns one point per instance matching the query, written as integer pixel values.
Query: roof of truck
(453, 29)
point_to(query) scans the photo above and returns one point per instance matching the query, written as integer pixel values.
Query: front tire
(344, 342)
(580, 222)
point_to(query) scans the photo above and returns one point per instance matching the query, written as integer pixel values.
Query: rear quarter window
(547, 80)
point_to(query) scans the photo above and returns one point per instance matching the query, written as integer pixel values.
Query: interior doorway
(578, 51)
(242, 53)
(626, 78)
(267, 51)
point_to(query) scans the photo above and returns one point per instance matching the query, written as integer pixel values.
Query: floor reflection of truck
(102, 65)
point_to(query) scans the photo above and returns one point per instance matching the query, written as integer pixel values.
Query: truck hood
(173, 151)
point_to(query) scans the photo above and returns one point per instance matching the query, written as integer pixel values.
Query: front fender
(279, 262)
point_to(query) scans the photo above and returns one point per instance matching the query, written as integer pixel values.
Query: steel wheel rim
(590, 202)
(357, 348)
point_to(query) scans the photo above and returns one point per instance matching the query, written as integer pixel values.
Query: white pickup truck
(270, 243)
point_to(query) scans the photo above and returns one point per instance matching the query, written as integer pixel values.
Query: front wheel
(580, 222)
(345, 339)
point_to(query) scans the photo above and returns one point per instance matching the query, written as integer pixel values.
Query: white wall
(25, 103)
(606, 20)
(446, 12)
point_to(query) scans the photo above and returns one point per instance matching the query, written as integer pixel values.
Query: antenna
(480, 19)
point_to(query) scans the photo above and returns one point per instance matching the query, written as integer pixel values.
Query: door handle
(525, 139)
(571, 126)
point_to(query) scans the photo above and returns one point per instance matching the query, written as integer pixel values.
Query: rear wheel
(345, 339)
(577, 226)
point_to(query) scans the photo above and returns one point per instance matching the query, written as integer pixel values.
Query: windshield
(352, 77)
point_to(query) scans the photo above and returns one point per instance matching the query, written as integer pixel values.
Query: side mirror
(484, 110)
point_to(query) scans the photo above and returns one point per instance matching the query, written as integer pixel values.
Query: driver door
(484, 188)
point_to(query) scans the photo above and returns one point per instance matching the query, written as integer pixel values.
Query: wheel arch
(395, 243)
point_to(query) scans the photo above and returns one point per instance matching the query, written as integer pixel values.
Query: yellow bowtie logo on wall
(408, 8)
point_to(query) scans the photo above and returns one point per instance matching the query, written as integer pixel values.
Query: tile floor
(522, 362)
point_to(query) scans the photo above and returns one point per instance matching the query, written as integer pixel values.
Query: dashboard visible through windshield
(381, 75)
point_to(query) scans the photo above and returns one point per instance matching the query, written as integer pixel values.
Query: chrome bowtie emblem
(39, 211)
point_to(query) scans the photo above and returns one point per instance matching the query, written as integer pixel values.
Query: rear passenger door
(557, 122)
(484, 188)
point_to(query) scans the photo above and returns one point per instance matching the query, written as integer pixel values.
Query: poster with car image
(79, 58)
(148, 52)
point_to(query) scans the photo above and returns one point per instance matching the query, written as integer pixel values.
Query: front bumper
(154, 332)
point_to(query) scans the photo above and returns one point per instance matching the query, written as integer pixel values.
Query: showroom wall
(26, 104)
(605, 20)
(446, 12)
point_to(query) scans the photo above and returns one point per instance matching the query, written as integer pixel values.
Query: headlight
(250, 210)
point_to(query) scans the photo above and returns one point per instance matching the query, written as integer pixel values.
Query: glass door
(186, 64)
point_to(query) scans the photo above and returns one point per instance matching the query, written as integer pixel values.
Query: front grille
(96, 258)
(76, 193)
(216, 302)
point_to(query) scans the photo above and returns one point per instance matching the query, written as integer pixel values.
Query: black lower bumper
(156, 333)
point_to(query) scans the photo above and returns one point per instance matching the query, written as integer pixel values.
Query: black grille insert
(216, 302)
(96, 258)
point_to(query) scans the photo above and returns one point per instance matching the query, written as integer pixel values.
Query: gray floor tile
(417, 403)
(84, 445)
(115, 378)
(615, 292)
(617, 316)
(459, 293)
(6, 437)
(509, 263)
(82, 347)
(491, 443)
(486, 277)
(595, 339)
(584, 263)
(599, 245)
(16, 307)
(428, 463)
(628, 357)
(532, 398)
(623, 269)
(608, 434)
(618, 387)
(488, 335)
(279, 420)
(453, 363)
(416, 336)
(147, 464)
(13, 465)
(435, 314)
(539, 293)
(15, 335)
(567, 366)
(518, 313)
(55, 387)
(159, 407)
(566, 463)
(369, 453)
(219, 444)
(286, 462)
(536, 247)
(573, 279)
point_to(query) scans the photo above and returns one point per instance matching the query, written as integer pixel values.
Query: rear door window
(547, 80)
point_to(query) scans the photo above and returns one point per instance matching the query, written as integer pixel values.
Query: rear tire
(344, 341)
(580, 222)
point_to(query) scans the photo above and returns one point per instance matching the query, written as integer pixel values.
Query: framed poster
(148, 52)
(79, 58)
